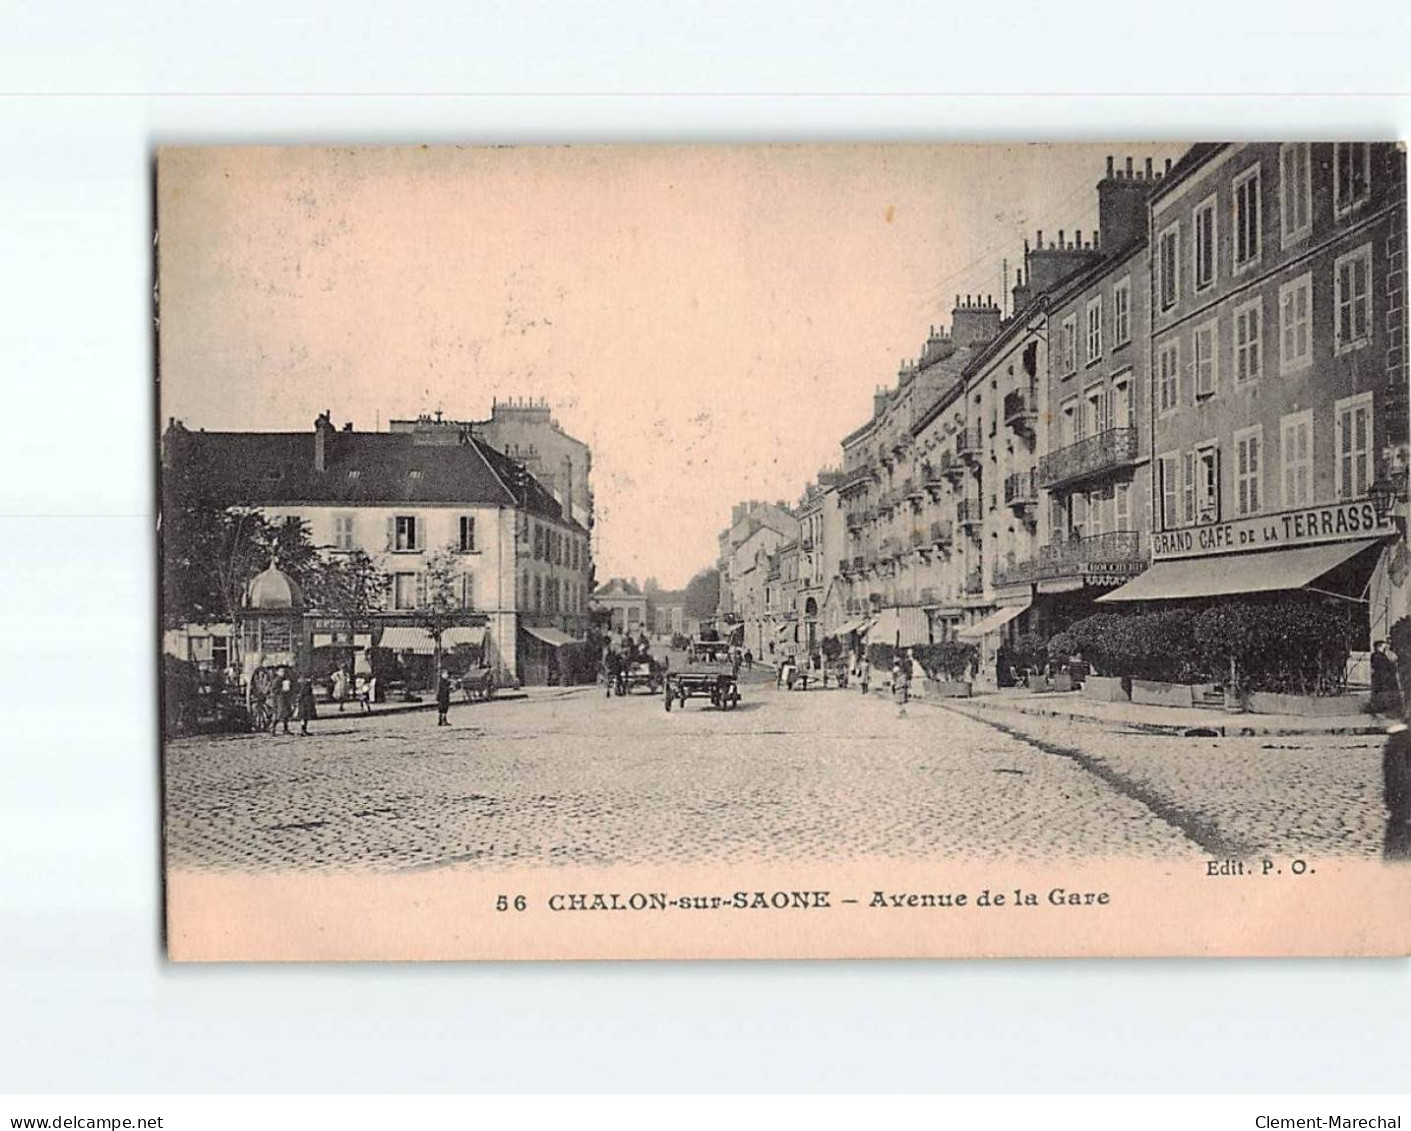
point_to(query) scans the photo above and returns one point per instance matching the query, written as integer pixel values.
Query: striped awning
(551, 636)
(906, 625)
(408, 638)
(472, 634)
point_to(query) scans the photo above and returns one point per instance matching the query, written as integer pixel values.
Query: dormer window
(414, 474)
(355, 474)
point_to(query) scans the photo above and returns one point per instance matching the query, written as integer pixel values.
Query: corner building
(1278, 394)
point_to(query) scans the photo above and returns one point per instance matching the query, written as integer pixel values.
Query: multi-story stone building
(821, 540)
(1279, 376)
(525, 430)
(524, 565)
(756, 532)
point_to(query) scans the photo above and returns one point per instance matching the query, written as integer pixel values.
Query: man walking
(443, 698)
(307, 710)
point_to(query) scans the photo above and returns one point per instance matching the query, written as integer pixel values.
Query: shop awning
(849, 628)
(472, 634)
(905, 625)
(408, 638)
(551, 636)
(992, 623)
(1222, 575)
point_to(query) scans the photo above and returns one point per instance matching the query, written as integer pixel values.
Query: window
(1207, 370)
(1295, 320)
(1069, 423)
(343, 532)
(1246, 218)
(1296, 451)
(1352, 274)
(538, 543)
(467, 533)
(1168, 362)
(1352, 182)
(1353, 431)
(1249, 341)
(467, 589)
(405, 535)
(1169, 266)
(1170, 486)
(1077, 514)
(1119, 410)
(1094, 411)
(1249, 470)
(1069, 343)
(1295, 192)
(1122, 313)
(1097, 505)
(1188, 488)
(1094, 330)
(538, 593)
(404, 591)
(1207, 483)
(1122, 507)
(1205, 244)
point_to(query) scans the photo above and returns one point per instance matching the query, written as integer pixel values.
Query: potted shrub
(947, 665)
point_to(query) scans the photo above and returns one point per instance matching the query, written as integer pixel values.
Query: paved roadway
(571, 776)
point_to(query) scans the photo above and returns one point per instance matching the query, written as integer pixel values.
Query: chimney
(879, 402)
(1122, 209)
(323, 440)
(974, 322)
(1020, 293)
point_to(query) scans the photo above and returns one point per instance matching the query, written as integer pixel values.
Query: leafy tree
(703, 595)
(438, 608)
(350, 587)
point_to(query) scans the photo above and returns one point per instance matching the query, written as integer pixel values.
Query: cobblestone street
(574, 777)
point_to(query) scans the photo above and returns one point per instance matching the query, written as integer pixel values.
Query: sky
(711, 320)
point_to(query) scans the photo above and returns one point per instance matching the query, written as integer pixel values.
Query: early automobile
(721, 688)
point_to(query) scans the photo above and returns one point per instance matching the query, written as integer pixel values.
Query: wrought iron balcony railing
(967, 444)
(969, 512)
(975, 581)
(1021, 489)
(1021, 406)
(1095, 455)
(1095, 553)
(941, 534)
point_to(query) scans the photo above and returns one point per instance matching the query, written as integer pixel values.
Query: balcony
(1116, 554)
(845, 566)
(887, 502)
(1021, 408)
(930, 595)
(941, 534)
(1021, 491)
(951, 467)
(1016, 572)
(969, 513)
(911, 491)
(918, 538)
(855, 481)
(967, 445)
(1107, 451)
(856, 521)
(975, 581)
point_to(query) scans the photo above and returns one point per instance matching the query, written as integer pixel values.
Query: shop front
(1346, 553)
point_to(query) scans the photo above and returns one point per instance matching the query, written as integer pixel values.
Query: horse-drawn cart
(477, 685)
(642, 673)
(709, 651)
(720, 688)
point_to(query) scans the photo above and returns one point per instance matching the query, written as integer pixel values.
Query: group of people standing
(293, 697)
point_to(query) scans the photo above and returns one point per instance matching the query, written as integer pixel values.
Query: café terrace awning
(905, 625)
(1222, 575)
(992, 623)
(850, 627)
(551, 636)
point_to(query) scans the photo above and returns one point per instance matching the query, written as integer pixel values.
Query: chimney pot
(1041, 239)
(1129, 167)
(1109, 166)
(1168, 164)
(1060, 237)
(1148, 168)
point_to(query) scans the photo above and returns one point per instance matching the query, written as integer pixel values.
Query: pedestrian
(443, 698)
(283, 700)
(749, 660)
(370, 697)
(901, 676)
(340, 687)
(1386, 686)
(864, 672)
(307, 710)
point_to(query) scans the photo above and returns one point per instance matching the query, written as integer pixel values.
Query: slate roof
(362, 468)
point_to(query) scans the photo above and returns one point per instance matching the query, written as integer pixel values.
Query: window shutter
(391, 533)
(421, 595)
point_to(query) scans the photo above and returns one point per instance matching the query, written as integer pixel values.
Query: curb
(1213, 729)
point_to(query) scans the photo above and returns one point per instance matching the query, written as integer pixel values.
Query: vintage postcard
(784, 551)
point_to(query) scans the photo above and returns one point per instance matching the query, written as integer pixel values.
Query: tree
(439, 606)
(703, 595)
(348, 586)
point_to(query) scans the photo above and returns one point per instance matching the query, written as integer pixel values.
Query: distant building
(756, 532)
(625, 604)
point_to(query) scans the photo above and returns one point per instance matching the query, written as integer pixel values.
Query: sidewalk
(1154, 720)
